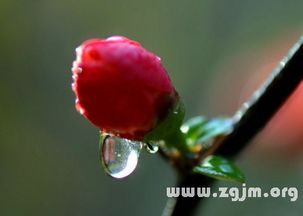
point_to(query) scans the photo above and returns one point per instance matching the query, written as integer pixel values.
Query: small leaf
(201, 131)
(193, 128)
(215, 127)
(220, 168)
(193, 125)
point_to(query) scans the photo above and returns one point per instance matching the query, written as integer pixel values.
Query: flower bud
(121, 87)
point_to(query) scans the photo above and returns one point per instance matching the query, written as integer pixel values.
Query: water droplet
(119, 156)
(73, 87)
(79, 70)
(151, 147)
(75, 68)
(115, 38)
(79, 107)
(75, 76)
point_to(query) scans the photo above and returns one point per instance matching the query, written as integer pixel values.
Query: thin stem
(250, 119)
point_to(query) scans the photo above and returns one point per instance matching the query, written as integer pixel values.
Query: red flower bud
(121, 87)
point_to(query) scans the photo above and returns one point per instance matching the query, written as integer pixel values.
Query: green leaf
(215, 127)
(193, 128)
(220, 168)
(199, 130)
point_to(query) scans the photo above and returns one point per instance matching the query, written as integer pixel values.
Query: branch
(265, 102)
(249, 120)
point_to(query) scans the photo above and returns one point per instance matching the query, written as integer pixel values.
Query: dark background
(217, 53)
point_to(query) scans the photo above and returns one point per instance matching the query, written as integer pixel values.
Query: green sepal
(169, 129)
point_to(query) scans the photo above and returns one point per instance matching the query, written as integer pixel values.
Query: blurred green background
(212, 50)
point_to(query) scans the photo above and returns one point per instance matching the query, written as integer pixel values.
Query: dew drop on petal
(73, 87)
(115, 38)
(119, 156)
(75, 76)
(79, 108)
